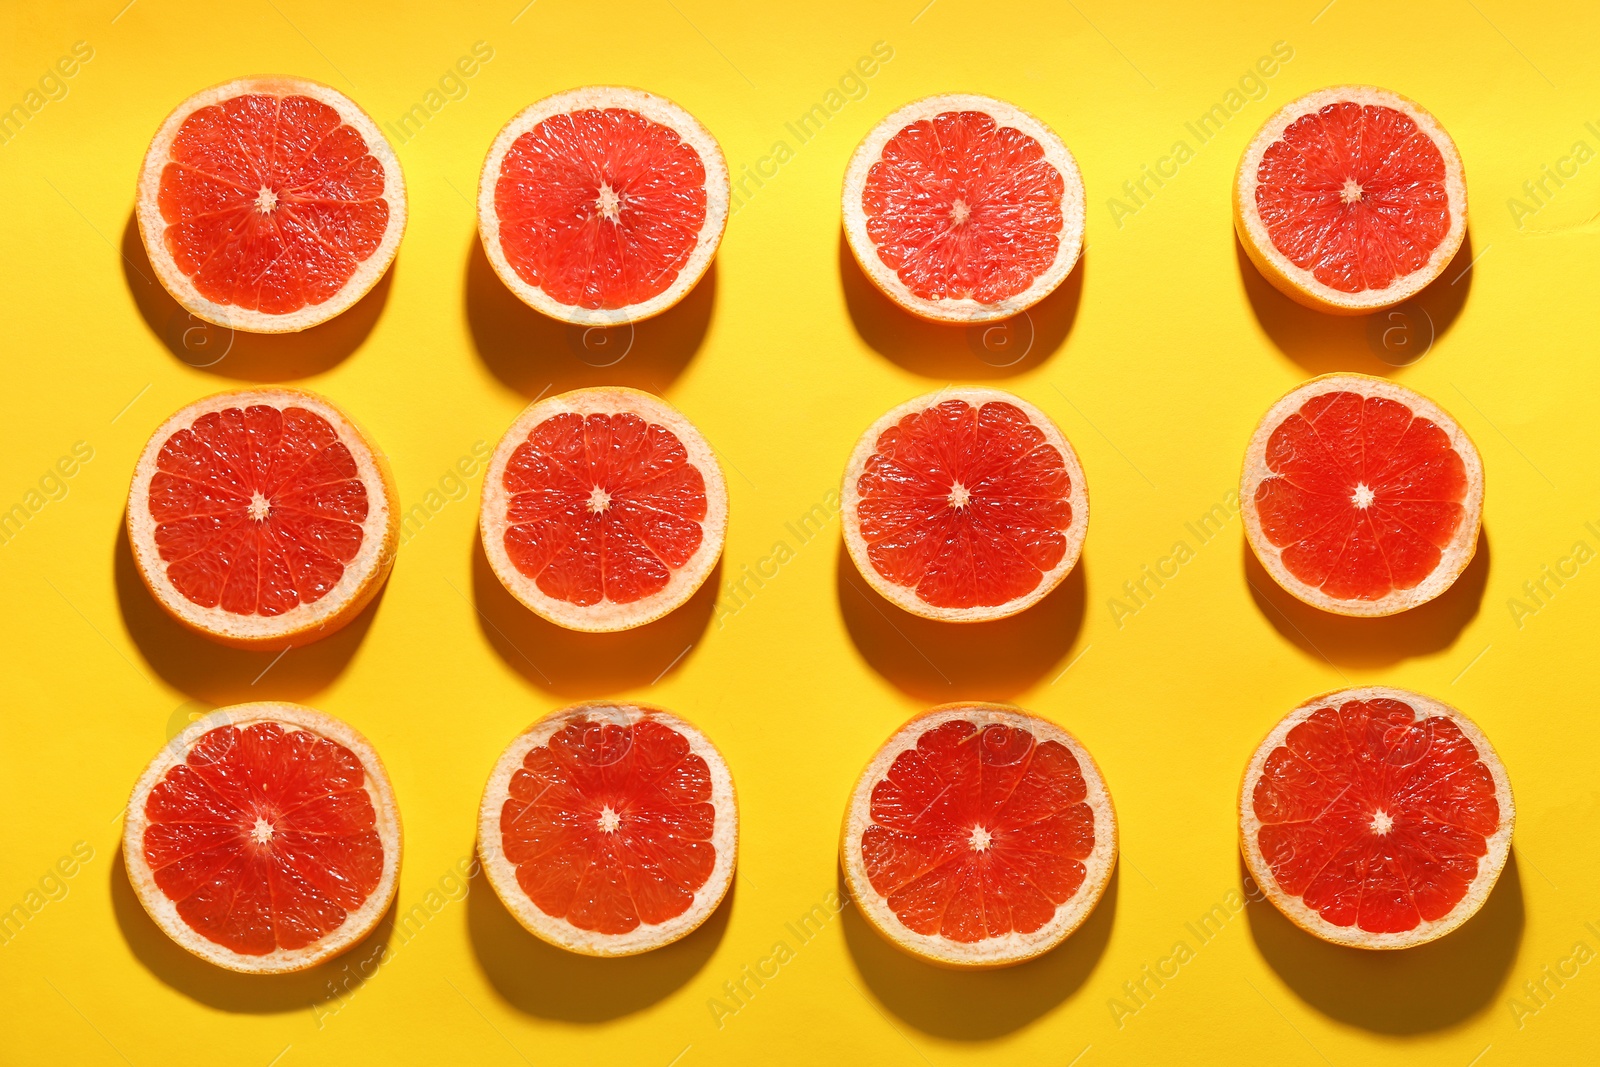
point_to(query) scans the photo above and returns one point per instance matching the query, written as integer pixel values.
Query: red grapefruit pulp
(964, 505)
(979, 836)
(264, 838)
(610, 829)
(1376, 817)
(603, 509)
(602, 204)
(1351, 199)
(964, 208)
(1361, 497)
(261, 516)
(270, 204)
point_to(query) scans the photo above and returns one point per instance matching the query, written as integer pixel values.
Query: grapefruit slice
(270, 204)
(979, 836)
(964, 505)
(964, 208)
(610, 829)
(602, 205)
(264, 838)
(603, 509)
(262, 518)
(1350, 199)
(1376, 817)
(1361, 497)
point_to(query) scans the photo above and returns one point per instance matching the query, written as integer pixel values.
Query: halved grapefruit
(602, 205)
(262, 518)
(964, 208)
(979, 836)
(603, 509)
(264, 838)
(964, 505)
(1350, 199)
(1376, 817)
(270, 204)
(610, 829)
(1360, 496)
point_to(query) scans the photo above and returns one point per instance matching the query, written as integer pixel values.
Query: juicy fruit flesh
(960, 207)
(978, 832)
(603, 507)
(1355, 194)
(965, 505)
(609, 825)
(1363, 497)
(258, 510)
(264, 837)
(1374, 815)
(271, 203)
(600, 208)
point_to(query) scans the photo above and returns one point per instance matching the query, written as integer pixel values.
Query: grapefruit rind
(991, 952)
(1300, 284)
(164, 912)
(657, 109)
(152, 226)
(905, 597)
(363, 576)
(502, 874)
(1307, 918)
(607, 616)
(964, 310)
(1453, 558)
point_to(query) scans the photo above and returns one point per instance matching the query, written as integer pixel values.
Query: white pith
(164, 911)
(1301, 284)
(1307, 918)
(905, 596)
(363, 576)
(502, 874)
(1453, 558)
(993, 951)
(964, 310)
(657, 109)
(152, 226)
(607, 615)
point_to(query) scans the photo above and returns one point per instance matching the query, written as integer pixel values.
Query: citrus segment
(1362, 497)
(264, 838)
(610, 829)
(603, 509)
(1351, 199)
(979, 836)
(262, 515)
(1376, 817)
(270, 204)
(602, 204)
(966, 504)
(964, 208)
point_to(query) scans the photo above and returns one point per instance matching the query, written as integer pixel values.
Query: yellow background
(1157, 357)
